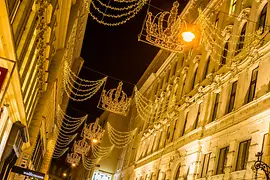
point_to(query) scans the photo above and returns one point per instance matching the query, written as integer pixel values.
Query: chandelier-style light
(164, 30)
(81, 147)
(93, 132)
(73, 158)
(115, 100)
(117, 12)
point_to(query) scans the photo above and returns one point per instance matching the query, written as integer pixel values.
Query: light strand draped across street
(79, 89)
(115, 13)
(89, 163)
(214, 39)
(120, 139)
(101, 152)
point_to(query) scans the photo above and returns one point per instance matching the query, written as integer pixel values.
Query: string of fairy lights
(162, 30)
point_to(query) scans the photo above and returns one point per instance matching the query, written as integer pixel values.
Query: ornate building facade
(215, 101)
(36, 37)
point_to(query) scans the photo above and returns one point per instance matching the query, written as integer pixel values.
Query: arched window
(240, 43)
(262, 19)
(194, 78)
(225, 53)
(177, 175)
(206, 68)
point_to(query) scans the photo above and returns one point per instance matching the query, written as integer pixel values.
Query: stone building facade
(36, 37)
(218, 114)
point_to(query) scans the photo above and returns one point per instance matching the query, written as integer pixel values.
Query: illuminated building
(219, 109)
(36, 35)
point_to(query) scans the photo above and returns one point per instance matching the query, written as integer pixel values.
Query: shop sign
(28, 172)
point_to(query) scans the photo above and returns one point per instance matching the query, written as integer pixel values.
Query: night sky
(116, 52)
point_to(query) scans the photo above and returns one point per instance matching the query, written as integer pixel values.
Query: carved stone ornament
(176, 80)
(226, 33)
(200, 89)
(218, 78)
(197, 58)
(184, 70)
(244, 14)
(157, 126)
(169, 87)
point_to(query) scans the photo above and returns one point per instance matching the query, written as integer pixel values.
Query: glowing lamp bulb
(64, 174)
(188, 36)
(95, 140)
(73, 164)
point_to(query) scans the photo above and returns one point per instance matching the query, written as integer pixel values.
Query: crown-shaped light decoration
(115, 100)
(164, 30)
(93, 131)
(81, 147)
(73, 158)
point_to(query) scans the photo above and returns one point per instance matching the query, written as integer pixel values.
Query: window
(205, 164)
(217, 20)
(194, 79)
(185, 123)
(262, 19)
(224, 54)
(184, 84)
(214, 113)
(12, 6)
(232, 6)
(264, 145)
(174, 128)
(242, 157)
(177, 175)
(174, 68)
(232, 97)
(252, 86)
(197, 117)
(158, 173)
(240, 43)
(222, 160)
(206, 68)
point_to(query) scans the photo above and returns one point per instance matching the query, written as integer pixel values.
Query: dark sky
(115, 51)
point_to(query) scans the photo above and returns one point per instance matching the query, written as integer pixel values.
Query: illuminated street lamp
(188, 36)
(64, 174)
(73, 164)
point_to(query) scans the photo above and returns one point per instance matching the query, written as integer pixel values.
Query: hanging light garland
(116, 12)
(101, 152)
(81, 147)
(115, 100)
(59, 152)
(120, 139)
(89, 163)
(79, 89)
(73, 158)
(148, 109)
(214, 38)
(61, 142)
(68, 124)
